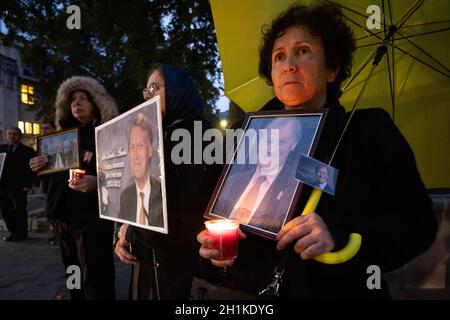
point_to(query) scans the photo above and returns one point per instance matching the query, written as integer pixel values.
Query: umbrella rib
(420, 60)
(409, 13)
(384, 18)
(367, 45)
(360, 69)
(426, 53)
(351, 20)
(390, 12)
(425, 24)
(393, 78)
(242, 85)
(422, 34)
(367, 36)
(391, 83)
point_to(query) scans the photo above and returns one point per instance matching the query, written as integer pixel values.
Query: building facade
(17, 96)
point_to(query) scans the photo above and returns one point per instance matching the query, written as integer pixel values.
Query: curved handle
(343, 255)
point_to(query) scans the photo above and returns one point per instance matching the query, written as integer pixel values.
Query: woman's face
(299, 73)
(155, 86)
(82, 109)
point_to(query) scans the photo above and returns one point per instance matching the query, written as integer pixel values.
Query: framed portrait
(130, 168)
(62, 149)
(258, 186)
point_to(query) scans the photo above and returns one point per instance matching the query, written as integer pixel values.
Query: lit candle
(76, 174)
(225, 234)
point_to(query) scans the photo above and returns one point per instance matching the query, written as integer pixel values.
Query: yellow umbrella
(416, 91)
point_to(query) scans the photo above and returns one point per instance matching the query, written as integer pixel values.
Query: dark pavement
(32, 269)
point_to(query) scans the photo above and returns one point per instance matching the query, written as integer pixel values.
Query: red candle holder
(225, 235)
(76, 174)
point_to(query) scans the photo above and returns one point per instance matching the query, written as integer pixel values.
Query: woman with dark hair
(305, 55)
(163, 264)
(85, 240)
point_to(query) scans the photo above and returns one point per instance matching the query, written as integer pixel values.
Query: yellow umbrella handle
(343, 255)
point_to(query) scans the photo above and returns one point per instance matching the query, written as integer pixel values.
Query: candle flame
(220, 225)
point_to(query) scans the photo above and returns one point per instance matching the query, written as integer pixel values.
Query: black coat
(16, 173)
(379, 194)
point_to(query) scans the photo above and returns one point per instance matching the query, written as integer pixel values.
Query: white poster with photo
(130, 168)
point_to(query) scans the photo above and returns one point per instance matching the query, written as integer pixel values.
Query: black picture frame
(281, 192)
(62, 149)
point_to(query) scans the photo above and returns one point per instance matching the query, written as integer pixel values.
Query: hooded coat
(166, 262)
(63, 203)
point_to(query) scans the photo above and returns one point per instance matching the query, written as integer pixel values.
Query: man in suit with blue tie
(260, 195)
(141, 202)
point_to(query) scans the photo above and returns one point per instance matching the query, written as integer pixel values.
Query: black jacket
(379, 195)
(16, 173)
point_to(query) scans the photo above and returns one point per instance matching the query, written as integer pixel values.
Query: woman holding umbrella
(305, 55)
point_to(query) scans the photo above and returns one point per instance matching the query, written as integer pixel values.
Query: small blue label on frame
(317, 174)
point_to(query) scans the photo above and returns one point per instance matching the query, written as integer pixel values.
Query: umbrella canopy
(412, 81)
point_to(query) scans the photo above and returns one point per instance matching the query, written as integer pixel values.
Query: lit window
(36, 128)
(27, 94)
(28, 128)
(21, 126)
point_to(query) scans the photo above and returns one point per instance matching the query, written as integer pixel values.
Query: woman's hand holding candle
(219, 244)
(86, 184)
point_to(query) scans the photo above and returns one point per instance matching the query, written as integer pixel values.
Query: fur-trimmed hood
(105, 103)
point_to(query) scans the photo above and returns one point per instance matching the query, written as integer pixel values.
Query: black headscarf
(182, 97)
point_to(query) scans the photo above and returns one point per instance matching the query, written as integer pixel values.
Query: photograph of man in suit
(141, 201)
(322, 179)
(15, 182)
(260, 195)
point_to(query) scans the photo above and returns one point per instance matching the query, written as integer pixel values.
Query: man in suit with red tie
(141, 202)
(16, 180)
(260, 195)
